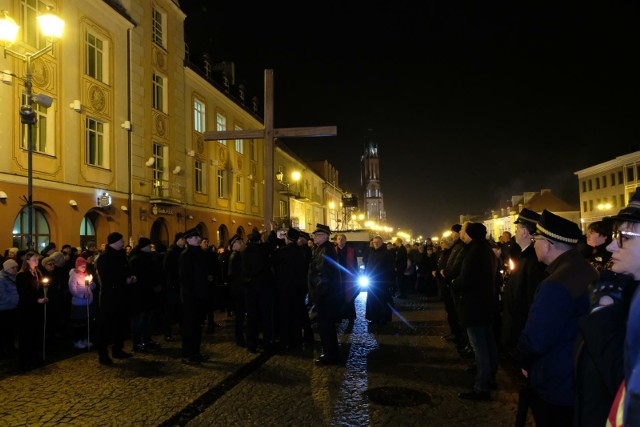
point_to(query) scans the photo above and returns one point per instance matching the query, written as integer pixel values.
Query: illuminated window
(199, 176)
(42, 132)
(96, 143)
(222, 183)
(221, 126)
(96, 57)
(159, 93)
(199, 116)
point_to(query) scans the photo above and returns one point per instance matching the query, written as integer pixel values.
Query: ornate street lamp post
(51, 27)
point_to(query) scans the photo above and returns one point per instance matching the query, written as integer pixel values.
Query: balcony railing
(167, 192)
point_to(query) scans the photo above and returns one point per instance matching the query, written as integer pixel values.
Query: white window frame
(239, 142)
(199, 116)
(239, 189)
(158, 25)
(221, 126)
(160, 182)
(159, 92)
(199, 176)
(43, 131)
(29, 24)
(254, 193)
(98, 132)
(96, 55)
(222, 183)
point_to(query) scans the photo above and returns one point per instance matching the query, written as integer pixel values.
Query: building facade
(121, 146)
(605, 188)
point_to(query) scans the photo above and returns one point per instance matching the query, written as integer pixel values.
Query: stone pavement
(399, 374)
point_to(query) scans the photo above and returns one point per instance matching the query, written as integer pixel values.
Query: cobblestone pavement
(399, 374)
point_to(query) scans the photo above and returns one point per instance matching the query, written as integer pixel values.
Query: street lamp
(51, 27)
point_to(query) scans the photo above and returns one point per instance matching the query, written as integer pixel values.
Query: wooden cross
(269, 134)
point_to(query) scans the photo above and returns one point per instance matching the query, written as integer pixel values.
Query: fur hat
(556, 228)
(8, 264)
(631, 213)
(114, 237)
(58, 258)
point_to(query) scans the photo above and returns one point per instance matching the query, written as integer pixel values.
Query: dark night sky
(469, 102)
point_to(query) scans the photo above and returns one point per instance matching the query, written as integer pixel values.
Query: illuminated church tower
(370, 180)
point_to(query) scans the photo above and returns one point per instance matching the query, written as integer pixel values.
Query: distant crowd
(559, 306)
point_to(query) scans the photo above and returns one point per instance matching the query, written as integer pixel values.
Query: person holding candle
(81, 286)
(31, 288)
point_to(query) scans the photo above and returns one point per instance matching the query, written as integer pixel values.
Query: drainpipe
(129, 139)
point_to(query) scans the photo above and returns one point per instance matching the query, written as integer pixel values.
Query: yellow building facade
(121, 146)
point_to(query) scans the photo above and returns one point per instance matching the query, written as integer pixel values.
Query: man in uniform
(545, 348)
(324, 291)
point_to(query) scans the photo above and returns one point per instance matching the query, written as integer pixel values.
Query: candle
(88, 278)
(45, 285)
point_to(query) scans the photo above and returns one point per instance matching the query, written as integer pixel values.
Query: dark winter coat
(545, 348)
(474, 287)
(518, 295)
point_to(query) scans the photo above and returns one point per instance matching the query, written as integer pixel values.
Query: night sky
(469, 102)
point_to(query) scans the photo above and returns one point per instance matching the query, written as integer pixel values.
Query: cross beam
(269, 134)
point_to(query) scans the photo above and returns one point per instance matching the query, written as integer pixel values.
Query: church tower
(370, 180)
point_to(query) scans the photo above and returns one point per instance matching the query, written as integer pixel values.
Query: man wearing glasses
(545, 347)
(625, 249)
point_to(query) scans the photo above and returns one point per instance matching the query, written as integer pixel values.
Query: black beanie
(476, 230)
(113, 237)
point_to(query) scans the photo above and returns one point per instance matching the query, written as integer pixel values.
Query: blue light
(363, 281)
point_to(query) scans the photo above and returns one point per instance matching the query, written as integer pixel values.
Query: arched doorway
(223, 235)
(41, 233)
(160, 232)
(88, 229)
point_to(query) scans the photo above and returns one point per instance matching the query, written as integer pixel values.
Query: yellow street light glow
(8, 28)
(446, 233)
(332, 205)
(295, 176)
(51, 25)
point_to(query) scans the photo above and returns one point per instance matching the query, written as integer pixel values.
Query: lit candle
(45, 285)
(88, 278)
(511, 264)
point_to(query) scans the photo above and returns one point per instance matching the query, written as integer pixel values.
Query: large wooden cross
(269, 134)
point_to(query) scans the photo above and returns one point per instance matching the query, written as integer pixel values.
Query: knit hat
(456, 228)
(81, 262)
(556, 228)
(476, 230)
(143, 242)
(254, 236)
(8, 264)
(179, 235)
(58, 258)
(631, 213)
(114, 237)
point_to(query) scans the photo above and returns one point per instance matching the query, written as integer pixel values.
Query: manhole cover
(397, 396)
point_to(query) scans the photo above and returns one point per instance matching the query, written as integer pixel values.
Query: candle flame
(45, 281)
(512, 265)
(89, 278)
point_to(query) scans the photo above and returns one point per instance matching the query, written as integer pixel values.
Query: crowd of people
(550, 301)
(557, 305)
